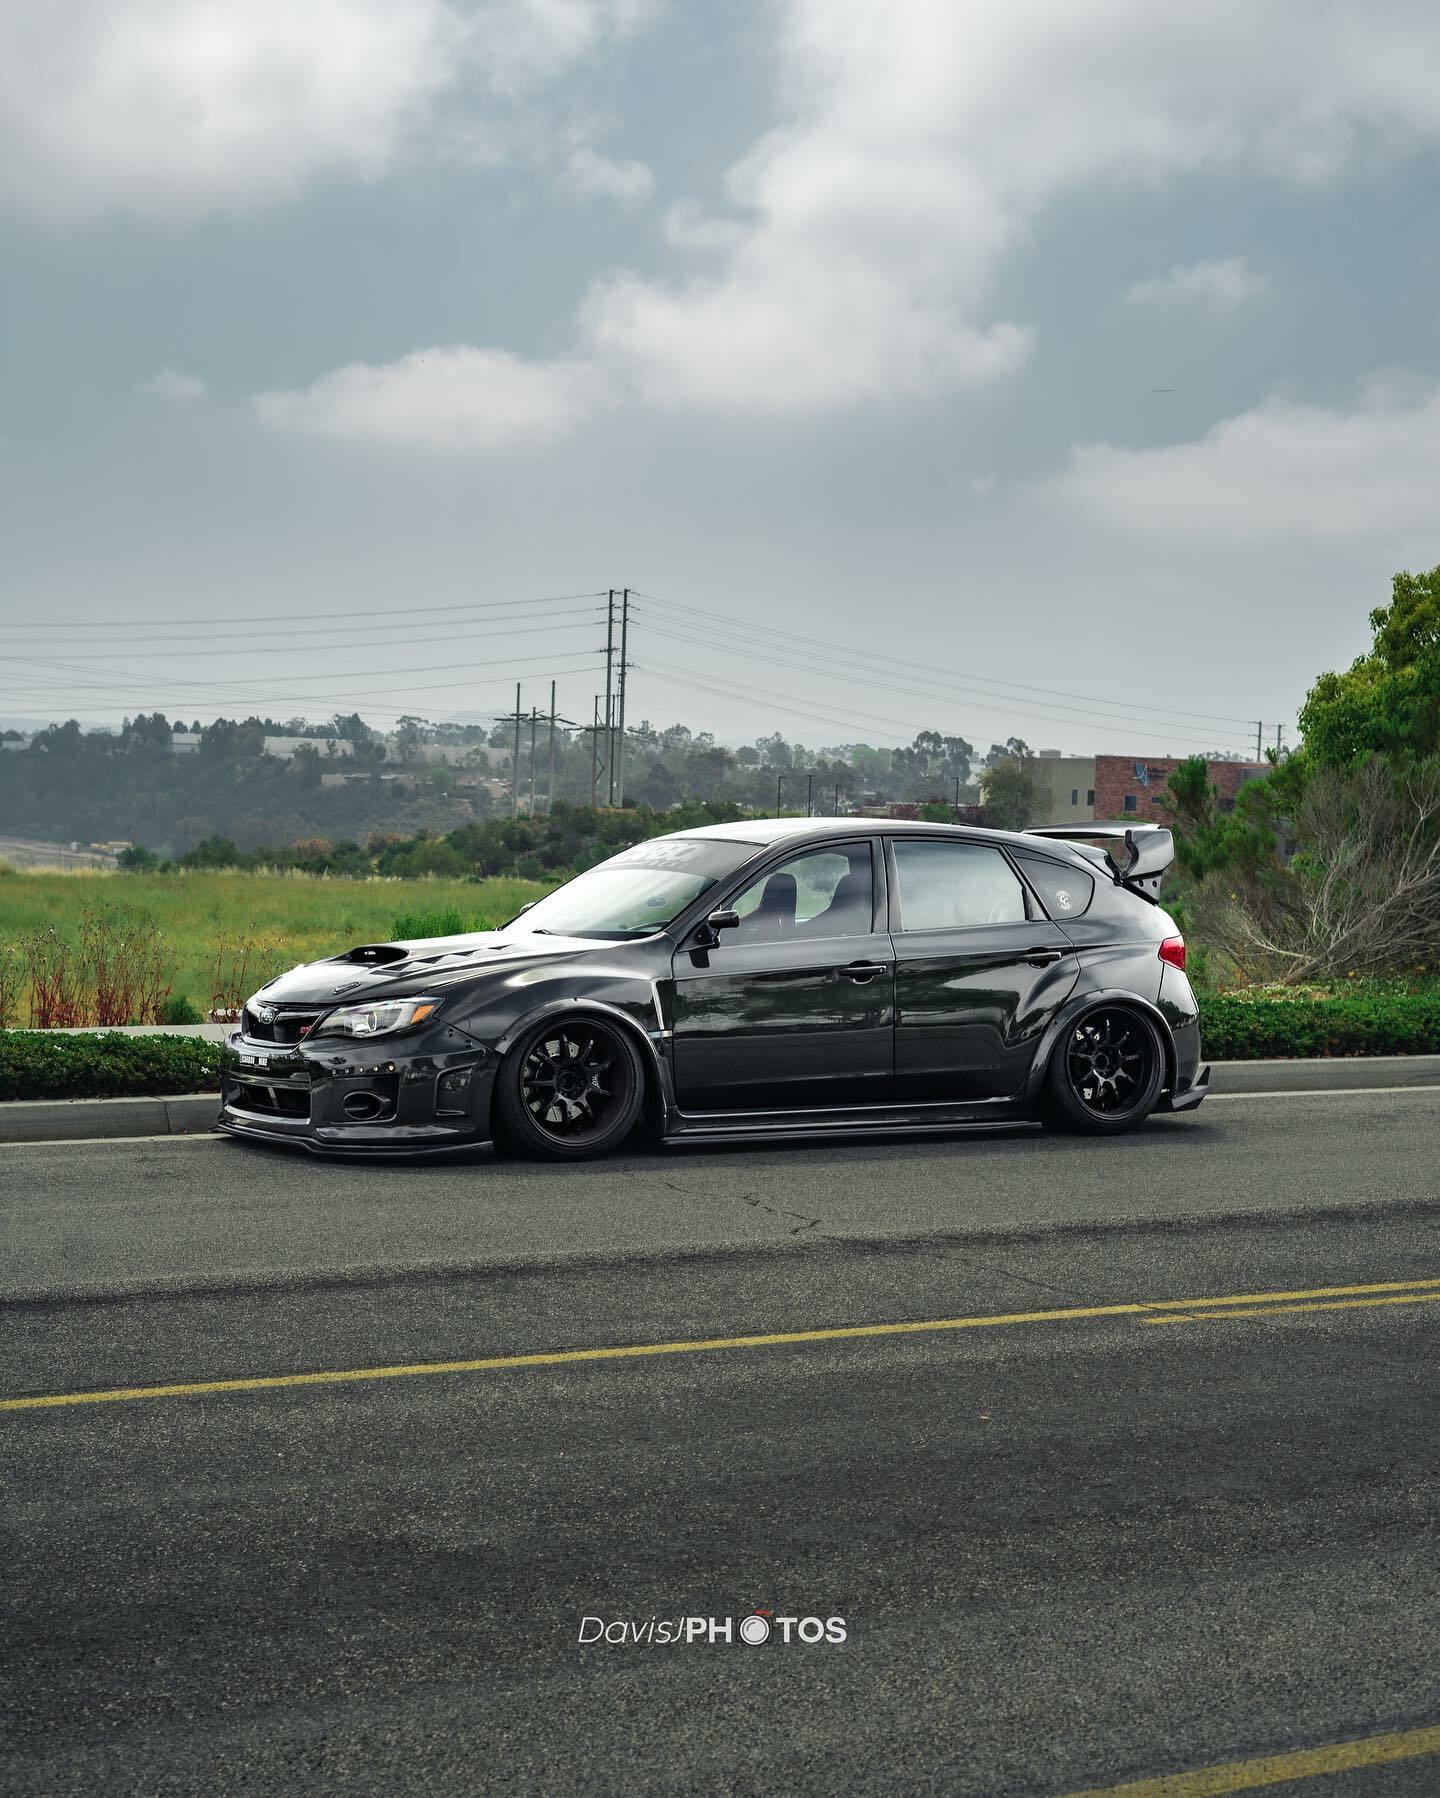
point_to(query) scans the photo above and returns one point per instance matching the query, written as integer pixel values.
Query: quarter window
(1065, 891)
(948, 885)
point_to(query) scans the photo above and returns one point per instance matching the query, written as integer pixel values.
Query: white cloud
(689, 227)
(925, 140)
(587, 172)
(1219, 286)
(451, 397)
(175, 108)
(172, 384)
(1280, 470)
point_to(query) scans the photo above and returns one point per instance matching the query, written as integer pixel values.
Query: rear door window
(945, 886)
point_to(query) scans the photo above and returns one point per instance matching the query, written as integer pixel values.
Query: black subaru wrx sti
(772, 978)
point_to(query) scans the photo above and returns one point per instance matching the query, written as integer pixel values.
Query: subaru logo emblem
(265, 1013)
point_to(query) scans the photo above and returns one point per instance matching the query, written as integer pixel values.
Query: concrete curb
(89, 1120)
(194, 1114)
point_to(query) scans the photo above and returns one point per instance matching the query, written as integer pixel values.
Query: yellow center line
(1278, 1769)
(1141, 1309)
(1198, 1317)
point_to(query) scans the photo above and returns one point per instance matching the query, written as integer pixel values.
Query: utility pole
(624, 664)
(610, 697)
(515, 760)
(1259, 742)
(957, 795)
(837, 798)
(533, 716)
(550, 780)
(595, 756)
(1279, 738)
(809, 795)
(779, 782)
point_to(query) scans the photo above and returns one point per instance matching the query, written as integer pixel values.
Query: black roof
(764, 832)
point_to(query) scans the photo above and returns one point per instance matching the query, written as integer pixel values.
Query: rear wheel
(1105, 1074)
(570, 1089)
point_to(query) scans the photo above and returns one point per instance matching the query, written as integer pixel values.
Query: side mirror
(707, 935)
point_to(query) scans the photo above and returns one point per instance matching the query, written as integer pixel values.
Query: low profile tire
(1105, 1073)
(570, 1089)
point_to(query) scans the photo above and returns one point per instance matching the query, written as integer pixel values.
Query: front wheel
(570, 1089)
(1105, 1074)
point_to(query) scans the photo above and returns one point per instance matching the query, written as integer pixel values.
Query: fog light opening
(362, 1106)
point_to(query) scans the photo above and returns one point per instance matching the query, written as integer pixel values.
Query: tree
(1387, 702)
(1008, 789)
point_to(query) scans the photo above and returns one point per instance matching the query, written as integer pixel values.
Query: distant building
(1064, 787)
(284, 748)
(184, 742)
(1131, 786)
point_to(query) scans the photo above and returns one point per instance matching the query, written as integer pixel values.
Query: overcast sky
(1080, 361)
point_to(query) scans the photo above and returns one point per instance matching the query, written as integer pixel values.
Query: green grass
(289, 917)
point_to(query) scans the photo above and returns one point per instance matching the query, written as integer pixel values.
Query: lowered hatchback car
(772, 978)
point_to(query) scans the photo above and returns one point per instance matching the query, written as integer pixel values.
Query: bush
(179, 1010)
(39, 1064)
(1372, 1018)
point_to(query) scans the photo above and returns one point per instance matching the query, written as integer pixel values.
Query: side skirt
(858, 1120)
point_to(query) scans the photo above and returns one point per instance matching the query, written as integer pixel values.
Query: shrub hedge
(1372, 1018)
(1262, 1023)
(48, 1064)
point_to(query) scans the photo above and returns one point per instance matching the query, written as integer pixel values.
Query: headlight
(378, 1019)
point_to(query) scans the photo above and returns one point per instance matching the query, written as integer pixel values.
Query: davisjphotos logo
(752, 1629)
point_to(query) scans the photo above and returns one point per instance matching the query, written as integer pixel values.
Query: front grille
(270, 1101)
(290, 1024)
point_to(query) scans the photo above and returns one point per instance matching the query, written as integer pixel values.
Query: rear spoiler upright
(1138, 854)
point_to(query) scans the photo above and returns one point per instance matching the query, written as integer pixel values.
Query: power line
(329, 648)
(870, 656)
(1003, 706)
(469, 605)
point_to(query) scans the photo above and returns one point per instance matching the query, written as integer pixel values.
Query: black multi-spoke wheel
(571, 1088)
(1106, 1074)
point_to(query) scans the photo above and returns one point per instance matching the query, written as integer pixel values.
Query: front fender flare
(1064, 1020)
(651, 1043)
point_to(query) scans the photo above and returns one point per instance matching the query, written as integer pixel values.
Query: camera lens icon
(754, 1630)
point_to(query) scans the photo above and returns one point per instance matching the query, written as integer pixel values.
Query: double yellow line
(1250, 1305)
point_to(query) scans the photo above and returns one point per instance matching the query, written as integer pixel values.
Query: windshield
(638, 891)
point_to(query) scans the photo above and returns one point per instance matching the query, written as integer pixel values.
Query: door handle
(1041, 956)
(861, 971)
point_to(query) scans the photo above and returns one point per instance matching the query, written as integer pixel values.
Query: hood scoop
(376, 955)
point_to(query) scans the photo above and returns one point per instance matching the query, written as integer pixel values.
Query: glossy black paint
(880, 1028)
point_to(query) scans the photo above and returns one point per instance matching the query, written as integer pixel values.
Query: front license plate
(255, 1061)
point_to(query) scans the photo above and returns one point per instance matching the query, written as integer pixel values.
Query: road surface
(1116, 1512)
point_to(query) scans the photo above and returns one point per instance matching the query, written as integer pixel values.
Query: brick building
(1130, 786)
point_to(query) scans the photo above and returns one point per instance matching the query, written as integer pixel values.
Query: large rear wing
(1136, 854)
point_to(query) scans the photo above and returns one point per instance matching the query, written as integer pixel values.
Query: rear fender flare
(1064, 1021)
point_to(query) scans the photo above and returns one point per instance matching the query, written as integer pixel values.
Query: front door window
(824, 893)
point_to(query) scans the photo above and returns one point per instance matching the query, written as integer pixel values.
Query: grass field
(286, 918)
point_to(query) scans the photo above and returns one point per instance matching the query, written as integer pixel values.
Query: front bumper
(421, 1094)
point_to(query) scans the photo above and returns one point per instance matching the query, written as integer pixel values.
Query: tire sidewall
(517, 1131)
(1063, 1107)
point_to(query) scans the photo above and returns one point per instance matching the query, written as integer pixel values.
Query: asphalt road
(1107, 1528)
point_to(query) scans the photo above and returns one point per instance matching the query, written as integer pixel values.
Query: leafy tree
(1010, 796)
(1387, 702)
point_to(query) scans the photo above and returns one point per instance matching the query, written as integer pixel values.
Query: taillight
(1173, 951)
